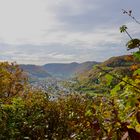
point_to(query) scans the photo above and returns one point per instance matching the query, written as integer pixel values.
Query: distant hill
(34, 71)
(61, 70)
(67, 70)
(118, 61)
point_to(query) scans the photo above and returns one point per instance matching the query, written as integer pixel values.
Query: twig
(129, 13)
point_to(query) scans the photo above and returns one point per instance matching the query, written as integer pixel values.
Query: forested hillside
(96, 79)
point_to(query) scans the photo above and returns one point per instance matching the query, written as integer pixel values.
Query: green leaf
(88, 113)
(115, 89)
(137, 72)
(137, 55)
(134, 43)
(123, 28)
(109, 79)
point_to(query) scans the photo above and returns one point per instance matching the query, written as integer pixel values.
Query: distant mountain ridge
(62, 70)
(68, 69)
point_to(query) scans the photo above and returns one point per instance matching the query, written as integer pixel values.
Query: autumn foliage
(30, 114)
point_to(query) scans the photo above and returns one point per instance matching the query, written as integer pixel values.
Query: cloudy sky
(46, 31)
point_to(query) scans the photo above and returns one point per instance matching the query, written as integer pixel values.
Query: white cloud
(41, 31)
(24, 20)
(36, 21)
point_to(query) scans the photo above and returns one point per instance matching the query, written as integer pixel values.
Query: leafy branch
(132, 43)
(121, 80)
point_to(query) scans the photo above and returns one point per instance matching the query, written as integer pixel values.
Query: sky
(63, 31)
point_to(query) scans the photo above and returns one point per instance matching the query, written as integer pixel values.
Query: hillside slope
(34, 71)
(95, 79)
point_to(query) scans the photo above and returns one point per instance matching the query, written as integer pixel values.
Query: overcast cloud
(46, 31)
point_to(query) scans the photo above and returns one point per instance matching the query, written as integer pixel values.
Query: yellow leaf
(138, 128)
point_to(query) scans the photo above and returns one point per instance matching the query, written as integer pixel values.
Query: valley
(59, 79)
